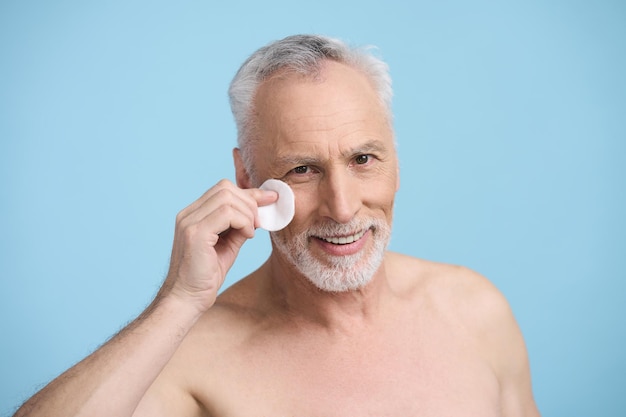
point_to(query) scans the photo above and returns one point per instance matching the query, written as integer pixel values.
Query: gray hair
(302, 54)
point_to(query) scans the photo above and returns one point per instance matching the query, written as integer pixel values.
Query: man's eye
(362, 159)
(301, 170)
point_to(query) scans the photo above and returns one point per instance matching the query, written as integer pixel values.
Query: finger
(228, 219)
(223, 184)
(217, 217)
(226, 193)
(223, 194)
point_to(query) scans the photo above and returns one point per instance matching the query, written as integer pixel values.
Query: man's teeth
(343, 240)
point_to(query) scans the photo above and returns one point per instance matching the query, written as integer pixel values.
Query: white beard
(337, 273)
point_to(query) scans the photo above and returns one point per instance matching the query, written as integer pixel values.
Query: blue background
(511, 120)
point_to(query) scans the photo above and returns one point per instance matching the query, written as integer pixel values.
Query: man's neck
(292, 294)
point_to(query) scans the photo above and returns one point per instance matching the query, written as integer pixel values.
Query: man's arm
(505, 348)
(113, 380)
(514, 370)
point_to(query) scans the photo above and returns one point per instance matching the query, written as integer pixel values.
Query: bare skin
(420, 339)
(409, 353)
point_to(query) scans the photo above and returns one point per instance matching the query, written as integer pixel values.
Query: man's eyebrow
(294, 159)
(371, 146)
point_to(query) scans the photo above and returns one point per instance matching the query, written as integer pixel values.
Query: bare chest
(434, 373)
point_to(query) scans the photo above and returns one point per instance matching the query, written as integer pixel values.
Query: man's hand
(207, 239)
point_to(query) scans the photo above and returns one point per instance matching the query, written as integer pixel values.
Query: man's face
(330, 140)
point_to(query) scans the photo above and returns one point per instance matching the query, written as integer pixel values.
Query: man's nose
(340, 196)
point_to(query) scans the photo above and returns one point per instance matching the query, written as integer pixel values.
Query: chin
(336, 274)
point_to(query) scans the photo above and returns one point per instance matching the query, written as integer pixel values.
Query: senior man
(332, 324)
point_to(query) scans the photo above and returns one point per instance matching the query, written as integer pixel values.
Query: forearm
(112, 380)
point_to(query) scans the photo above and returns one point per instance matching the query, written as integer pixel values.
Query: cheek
(381, 192)
(381, 202)
(384, 203)
(305, 205)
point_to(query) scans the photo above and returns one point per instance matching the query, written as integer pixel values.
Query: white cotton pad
(278, 214)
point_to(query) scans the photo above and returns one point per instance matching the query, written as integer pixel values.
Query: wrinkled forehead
(328, 71)
(289, 97)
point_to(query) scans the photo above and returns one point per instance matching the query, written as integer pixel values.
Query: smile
(344, 240)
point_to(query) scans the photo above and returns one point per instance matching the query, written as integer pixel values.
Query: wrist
(176, 309)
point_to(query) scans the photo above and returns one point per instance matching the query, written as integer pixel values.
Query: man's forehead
(287, 84)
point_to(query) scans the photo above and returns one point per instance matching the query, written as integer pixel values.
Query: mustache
(331, 228)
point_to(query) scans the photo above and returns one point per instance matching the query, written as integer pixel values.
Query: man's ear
(243, 179)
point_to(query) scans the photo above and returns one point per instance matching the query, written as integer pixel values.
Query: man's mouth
(344, 240)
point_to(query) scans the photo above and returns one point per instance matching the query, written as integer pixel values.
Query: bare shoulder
(445, 281)
(456, 294)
